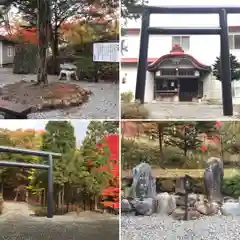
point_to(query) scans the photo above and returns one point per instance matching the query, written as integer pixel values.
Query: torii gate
(222, 30)
(48, 166)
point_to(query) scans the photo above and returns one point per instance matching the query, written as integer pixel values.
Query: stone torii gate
(222, 30)
(48, 167)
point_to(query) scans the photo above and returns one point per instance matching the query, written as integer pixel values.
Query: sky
(80, 126)
(187, 20)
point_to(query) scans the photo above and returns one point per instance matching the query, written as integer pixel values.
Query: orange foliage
(26, 35)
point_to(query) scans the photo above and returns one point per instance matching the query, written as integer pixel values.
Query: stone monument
(213, 179)
(144, 184)
(144, 199)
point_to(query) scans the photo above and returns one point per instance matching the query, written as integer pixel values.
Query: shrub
(134, 110)
(133, 153)
(231, 186)
(127, 97)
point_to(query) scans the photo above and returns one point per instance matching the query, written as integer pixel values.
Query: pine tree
(235, 68)
(185, 135)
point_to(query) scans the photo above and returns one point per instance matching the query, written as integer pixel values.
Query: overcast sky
(80, 126)
(186, 20)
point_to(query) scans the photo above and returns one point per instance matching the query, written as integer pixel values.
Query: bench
(68, 71)
(13, 110)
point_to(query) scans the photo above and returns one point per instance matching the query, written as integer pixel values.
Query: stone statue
(144, 184)
(213, 179)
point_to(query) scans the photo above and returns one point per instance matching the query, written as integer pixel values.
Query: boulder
(230, 209)
(180, 200)
(165, 203)
(144, 207)
(206, 208)
(179, 213)
(125, 206)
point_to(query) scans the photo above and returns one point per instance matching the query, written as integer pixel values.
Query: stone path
(189, 111)
(103, 104)
(17, 224)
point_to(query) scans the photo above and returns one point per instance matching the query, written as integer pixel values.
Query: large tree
(185, 135)
(59, 137)
(50, 15)
(235, 68)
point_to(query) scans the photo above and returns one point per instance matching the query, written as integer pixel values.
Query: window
(182, 41)
(234, 41)
(10, 51)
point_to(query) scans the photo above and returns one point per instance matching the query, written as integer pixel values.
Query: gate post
(50, 188)
(225, 66)
(143, 57)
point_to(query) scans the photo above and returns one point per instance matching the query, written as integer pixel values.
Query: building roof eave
(178, 52)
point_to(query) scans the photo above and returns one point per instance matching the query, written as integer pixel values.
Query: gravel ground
(164, 228)
(17, 224)
(56, 229)
(181, 110)
(103, 104)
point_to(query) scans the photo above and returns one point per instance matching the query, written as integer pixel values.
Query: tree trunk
(62, 200)
(96, 203)
(2, 185)
(160, 138)
(43, 37)
(55, 51)
(185, 142)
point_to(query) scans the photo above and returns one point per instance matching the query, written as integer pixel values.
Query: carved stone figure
(213, 179)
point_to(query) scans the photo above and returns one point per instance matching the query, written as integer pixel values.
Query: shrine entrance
(178, 77)
(48, 167)
(221, 30)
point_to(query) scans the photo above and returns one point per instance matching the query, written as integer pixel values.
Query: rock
(207, 208)
(65, 103)
(179, 214)
(229, 199)
(56, 103)
(46, 103)
(125, 206)
(144, 207)
(165, 203)
(230, 208)
(180, 200)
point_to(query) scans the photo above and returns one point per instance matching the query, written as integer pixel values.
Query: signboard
(106, 52)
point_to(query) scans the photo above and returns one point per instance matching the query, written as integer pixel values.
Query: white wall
(204, 48)
(130, 84)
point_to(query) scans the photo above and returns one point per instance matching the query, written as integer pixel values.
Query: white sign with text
(106, 52)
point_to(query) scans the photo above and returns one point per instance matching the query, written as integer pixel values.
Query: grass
(175, 173)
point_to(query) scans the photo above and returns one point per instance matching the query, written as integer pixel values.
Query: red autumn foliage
(218, 124)
(112, 190)
(215, 139)
(25, 35)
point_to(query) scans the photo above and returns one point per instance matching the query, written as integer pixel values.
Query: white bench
(68, 72)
